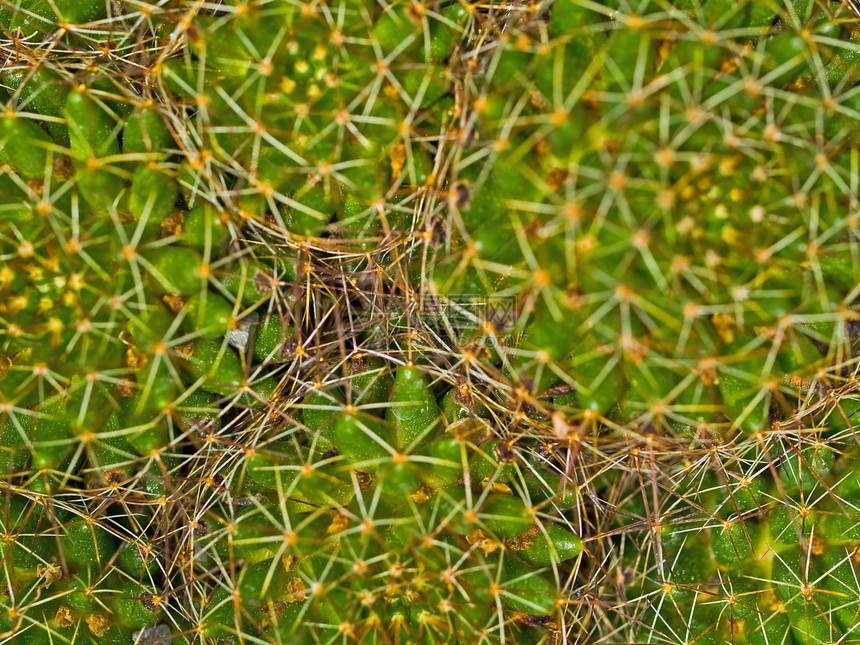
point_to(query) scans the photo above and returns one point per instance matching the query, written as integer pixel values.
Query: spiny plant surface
(674, 212)
(247, 397)
(212, 431)
(750, 542)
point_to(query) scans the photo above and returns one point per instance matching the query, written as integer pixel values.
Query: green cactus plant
(428, 322)
(155, 339)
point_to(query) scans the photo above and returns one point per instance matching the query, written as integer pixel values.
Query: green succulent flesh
(429, 322)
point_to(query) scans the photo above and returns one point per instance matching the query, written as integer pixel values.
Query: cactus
(441, 322)
(195, 446)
